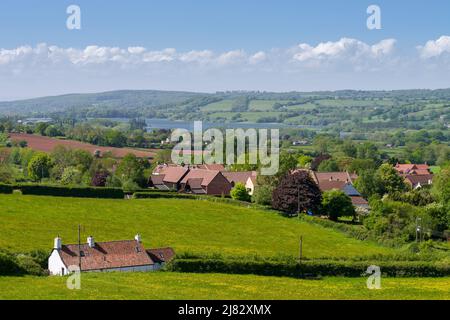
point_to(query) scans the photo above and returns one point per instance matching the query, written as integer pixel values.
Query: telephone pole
(301, 250)
(79, 246)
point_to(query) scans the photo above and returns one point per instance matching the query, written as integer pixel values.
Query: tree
(304, 161)
(367, 183)
(360, 165)
(130, 169)
(39, 166)
(297, 192)
(99, 179)
(70, 176)
(328, 166)
(239, 192)
(40, 128)
(441, 186)
(389, 180)
(263, 195)
(52, 131)
(288, 161)
(163, 156)
(336, 203)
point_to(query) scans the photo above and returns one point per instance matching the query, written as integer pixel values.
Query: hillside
(354, 111)
(195, 226)
(128, 99)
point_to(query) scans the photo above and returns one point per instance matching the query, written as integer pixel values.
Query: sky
(217, 45)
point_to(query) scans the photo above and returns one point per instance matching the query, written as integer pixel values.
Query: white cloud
(435, 48)
(345, 48)
(345, 63)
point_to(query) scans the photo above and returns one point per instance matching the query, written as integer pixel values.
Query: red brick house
(200, 181)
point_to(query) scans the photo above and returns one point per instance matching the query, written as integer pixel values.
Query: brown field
(47, 144)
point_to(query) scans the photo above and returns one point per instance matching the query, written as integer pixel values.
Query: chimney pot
(90, 241)
(137, 237)
(58, 243)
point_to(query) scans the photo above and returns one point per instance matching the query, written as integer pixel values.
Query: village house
(209, 179)
(247, 178)
(168, 177)
(341, 181)
(419, 181)
(412, 169)
(415, 175)
(123, 255)
(201, 181)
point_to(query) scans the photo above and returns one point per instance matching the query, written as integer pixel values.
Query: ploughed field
(189, 226)
(171, 285)
(47, 144)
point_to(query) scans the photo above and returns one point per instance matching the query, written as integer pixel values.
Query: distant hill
(113, 99)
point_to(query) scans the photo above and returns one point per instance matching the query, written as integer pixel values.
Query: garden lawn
(196, 226)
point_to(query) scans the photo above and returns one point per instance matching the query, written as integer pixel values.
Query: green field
(196, 226)
(167, 285)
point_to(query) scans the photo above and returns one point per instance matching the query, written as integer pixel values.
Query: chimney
(58, 243)
(91, 242)
(137, 238)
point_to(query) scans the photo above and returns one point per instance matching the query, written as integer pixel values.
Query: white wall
(55, 264)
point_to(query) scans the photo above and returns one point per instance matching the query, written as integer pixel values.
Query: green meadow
(168, 285)
(194, 226)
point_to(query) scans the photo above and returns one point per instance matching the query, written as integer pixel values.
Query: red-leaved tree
(296, 192)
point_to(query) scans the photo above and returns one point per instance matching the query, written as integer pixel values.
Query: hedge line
(67, 191)
(6, 188)
(162, 194)
(311, 268)
(177, 195)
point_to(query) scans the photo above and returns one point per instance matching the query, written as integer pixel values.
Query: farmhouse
(123, 255)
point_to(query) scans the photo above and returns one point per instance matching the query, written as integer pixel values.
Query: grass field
(196, 226)
(167, 285)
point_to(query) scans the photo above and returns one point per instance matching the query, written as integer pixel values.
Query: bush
(335, 204)
(8, 264)
(81, 192)
(13, 264)
(29, 265)
(239, 192)
(6, 188)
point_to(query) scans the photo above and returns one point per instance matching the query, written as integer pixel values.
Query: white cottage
(123, 255)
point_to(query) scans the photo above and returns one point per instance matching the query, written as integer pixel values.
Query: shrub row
(67, 191)
(6, 188)
(309, 268)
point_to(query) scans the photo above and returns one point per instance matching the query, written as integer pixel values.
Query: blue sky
(220, 45)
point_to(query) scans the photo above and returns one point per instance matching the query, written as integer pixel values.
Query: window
(82, 254)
